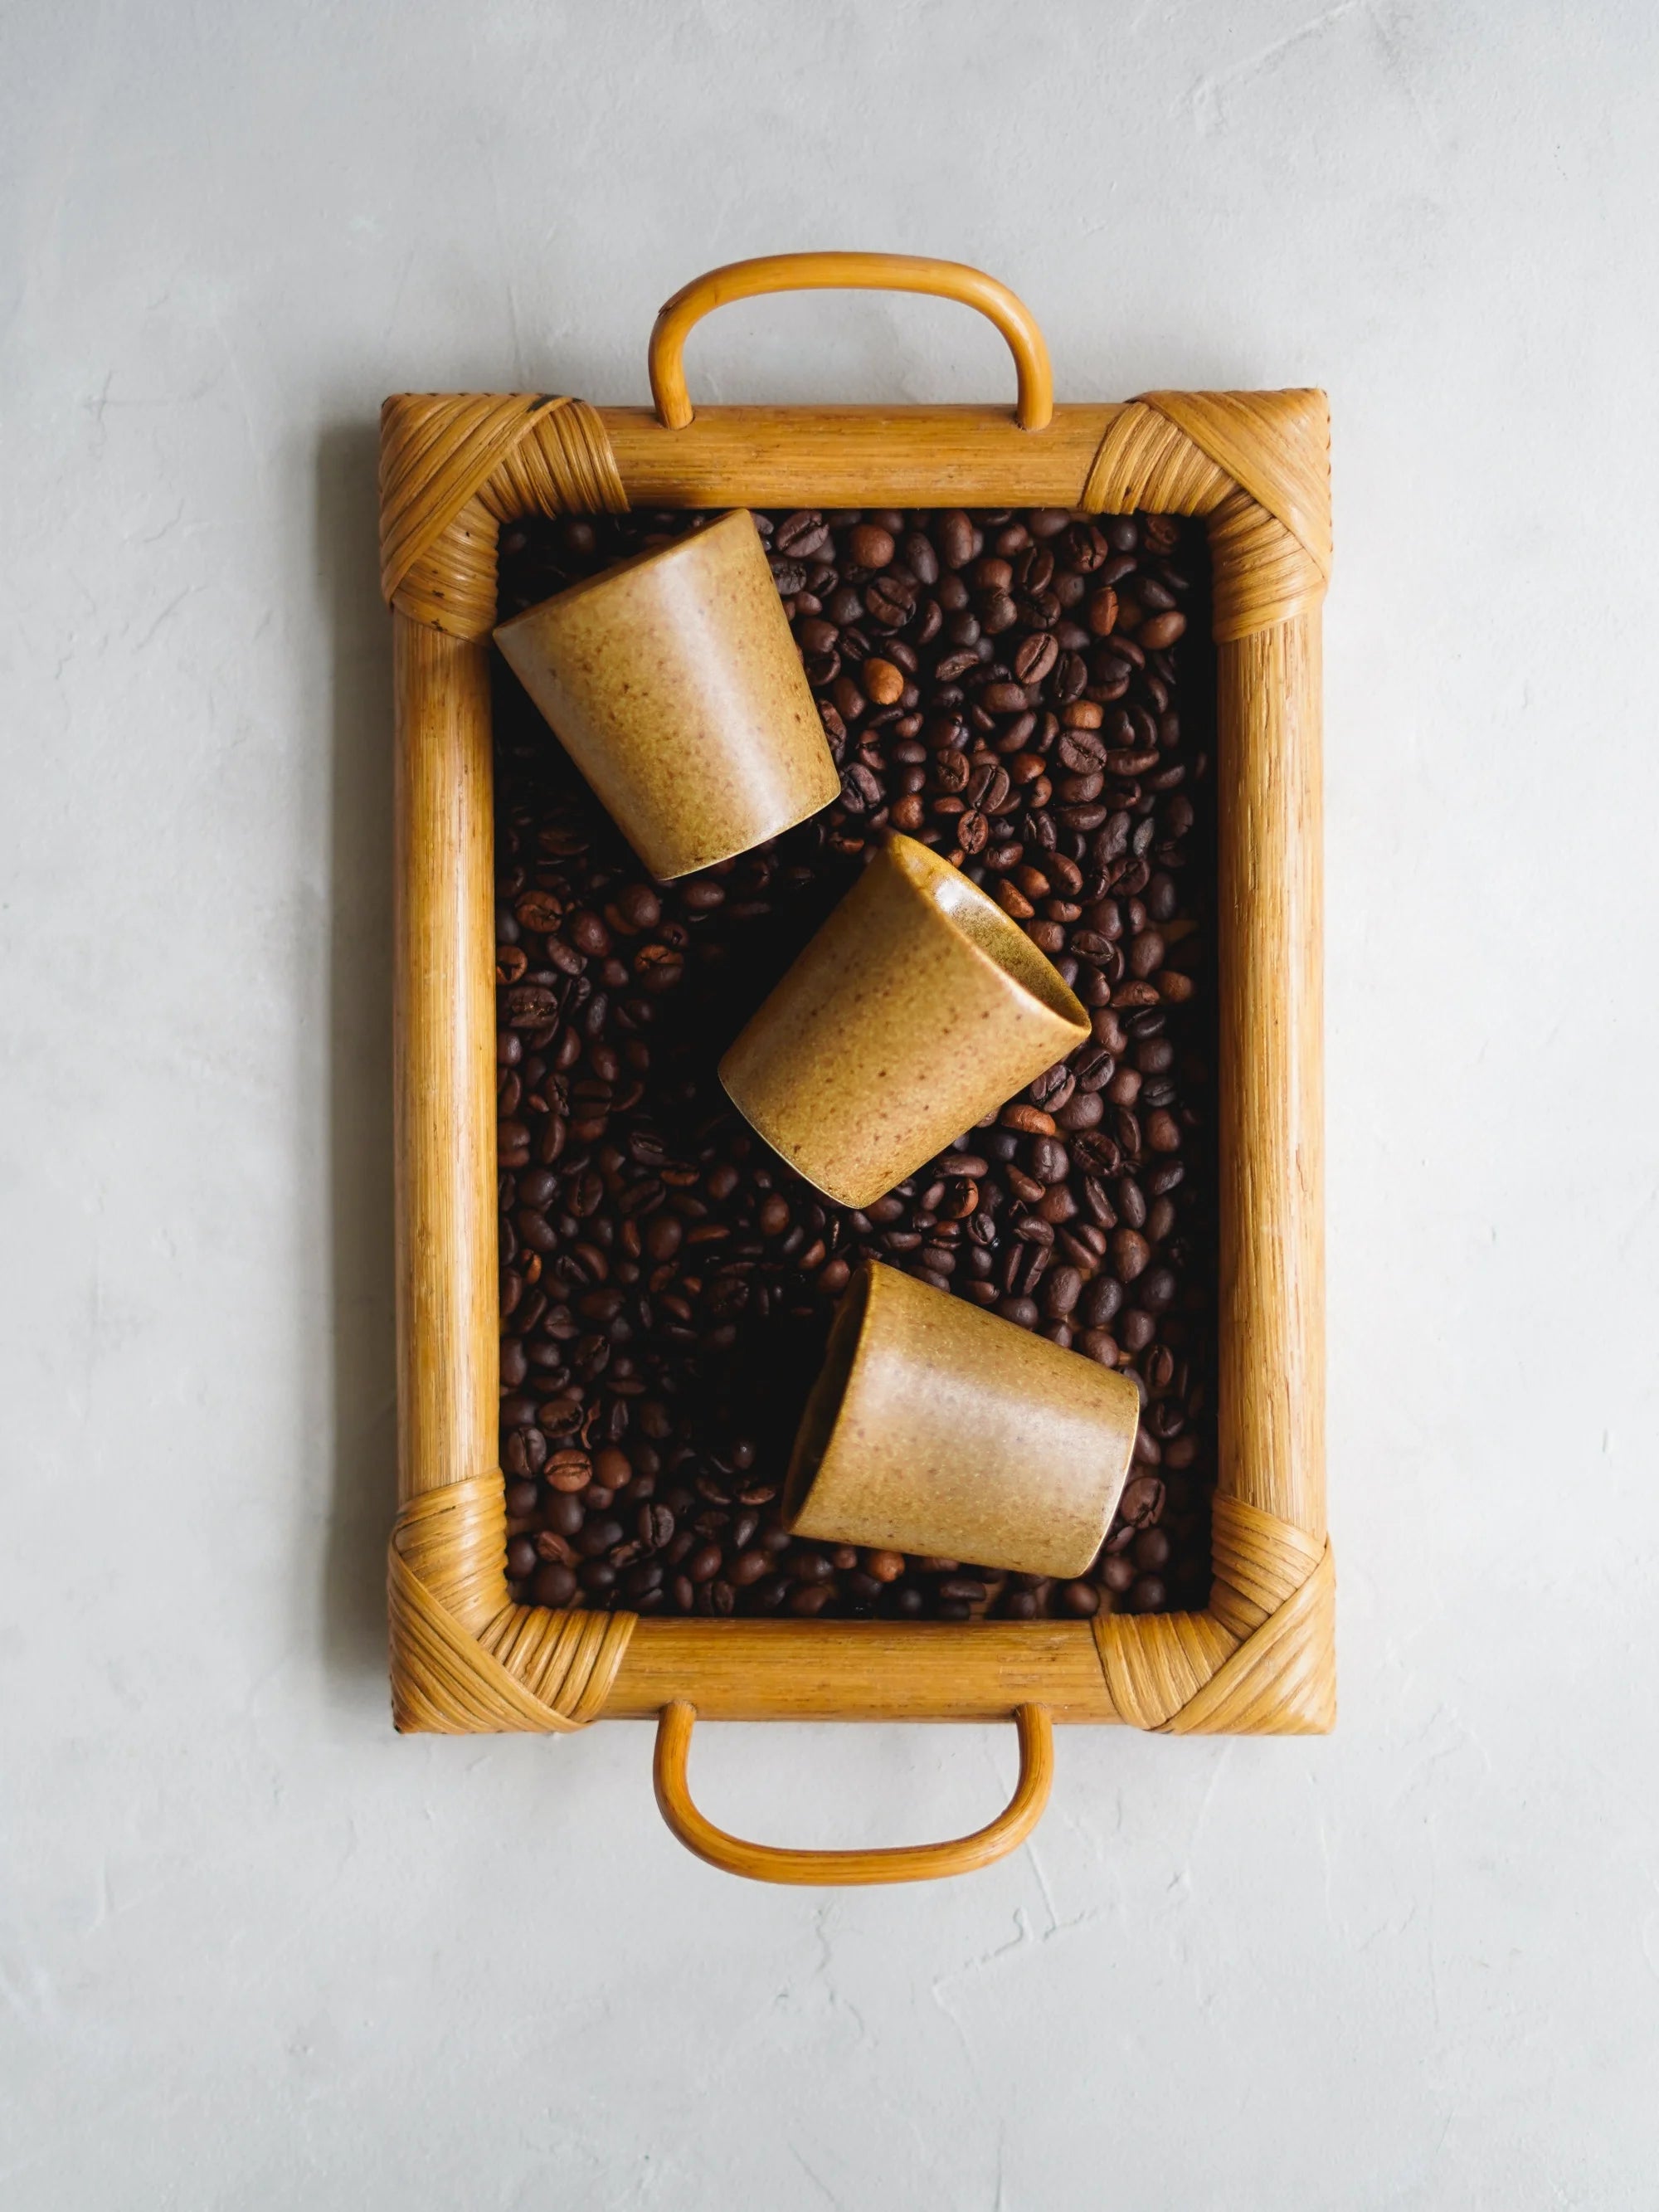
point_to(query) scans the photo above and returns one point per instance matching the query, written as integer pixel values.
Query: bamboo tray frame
(454, 469)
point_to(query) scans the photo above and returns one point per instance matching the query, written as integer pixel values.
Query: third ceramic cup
(917, 1008)
(936, 1428)
(674, 685)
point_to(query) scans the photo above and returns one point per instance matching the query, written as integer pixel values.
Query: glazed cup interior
(823, 1405)
(986, 928)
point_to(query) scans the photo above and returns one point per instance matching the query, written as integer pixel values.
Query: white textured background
(255, 1952)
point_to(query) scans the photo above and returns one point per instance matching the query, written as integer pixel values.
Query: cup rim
(923, 868)
(653, 555)
(832, 1386)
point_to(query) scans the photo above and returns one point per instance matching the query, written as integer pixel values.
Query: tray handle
(849, 272)
(907, 1862)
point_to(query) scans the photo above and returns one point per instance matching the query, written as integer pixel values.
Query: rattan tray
(1260, 1659)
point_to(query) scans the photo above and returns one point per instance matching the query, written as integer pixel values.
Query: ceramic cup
(917, 1008)
(674, 685)
(937, 1428)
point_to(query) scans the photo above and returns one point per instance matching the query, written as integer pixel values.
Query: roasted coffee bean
(1161, 630)
(552, 1584)
(883, 683)
(800, 535)
(861, 788)
(1130, 1254)
(1102, 612)
(1142, 1501)
(569, 1470)
(655, 1527)
(869, 546)
(993, 684)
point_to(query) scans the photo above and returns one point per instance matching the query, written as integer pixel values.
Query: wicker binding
(1260, 1658)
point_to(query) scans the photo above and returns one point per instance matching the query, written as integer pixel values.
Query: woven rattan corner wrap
(1258, 1663)
(467, 1660)
(1254, 464)
(452, 470)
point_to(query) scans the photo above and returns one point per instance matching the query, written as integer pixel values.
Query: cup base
(748, 843)
(759, 1121)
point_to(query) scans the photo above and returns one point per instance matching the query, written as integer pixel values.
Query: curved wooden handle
(849, 272)
(908, 1863)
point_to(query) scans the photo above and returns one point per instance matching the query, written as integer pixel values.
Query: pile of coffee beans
(1029, 693)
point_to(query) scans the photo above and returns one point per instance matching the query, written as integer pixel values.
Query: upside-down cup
(937, 1428)
(917, 1008)
(673, 683)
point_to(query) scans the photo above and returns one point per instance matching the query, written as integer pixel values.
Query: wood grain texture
(1270, 935)
(856, 1868)
(448, 1306)
(847, 1670)
(854, 456)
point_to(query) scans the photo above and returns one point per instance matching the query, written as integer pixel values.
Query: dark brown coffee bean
(1081, 751)
(598, 1536)
(1142, 1502)
(565, 1512)
(552, 1584)
(1102, 612)
(1136, 1329)
(569, 1470)
(889, 602)
(655, 1526)
(861, 789)
(1163, 1131)
(1050, 1161)
(1161, 630)
(525, 1452)
(919, 557)
(954, 535)
(1130, 1254)
(531, 1007)
(800, 535)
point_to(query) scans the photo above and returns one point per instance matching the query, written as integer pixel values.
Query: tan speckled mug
(674, 685)
(917, 1007)
(935, 1427)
